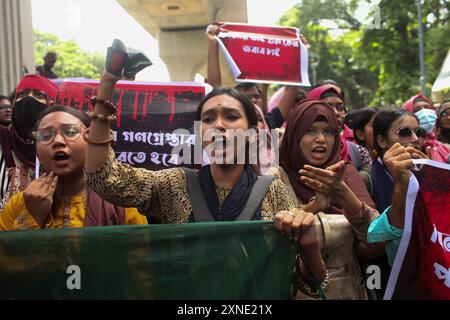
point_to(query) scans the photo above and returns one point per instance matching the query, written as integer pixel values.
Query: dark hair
(301, 95)
(51, 54)
(383, 123)
(242, 86)
(4, 98)
(249, 108)
(333, 82)
(12, 96)
(358, 120)
(72, 111)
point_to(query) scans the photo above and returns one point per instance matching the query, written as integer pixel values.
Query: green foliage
(375, 66)
(72, 61)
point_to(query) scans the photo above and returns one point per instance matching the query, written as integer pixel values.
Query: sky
(95, 23)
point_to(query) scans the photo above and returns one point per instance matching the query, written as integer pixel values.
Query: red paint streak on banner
(144, 107)
(135, 106)
(171, 97)
(119, 108)
(77, 94)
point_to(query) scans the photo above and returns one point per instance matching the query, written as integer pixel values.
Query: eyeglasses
(340, 108)
(70, 132)
(5, 106)
(405, 132)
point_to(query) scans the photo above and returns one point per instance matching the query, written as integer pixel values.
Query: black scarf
(235, 201)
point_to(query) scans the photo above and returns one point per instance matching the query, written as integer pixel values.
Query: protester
(391, 127)
(60, 198)
(217, 192)
(33, 94)
(361, 122)
(5, 111)
(417, 103)
(388, 227)
(46, 69)
(424, 110)
(347, 133)
(5, 120)
(266, 152)
(333, 95)
(443, 123)
(319, 181)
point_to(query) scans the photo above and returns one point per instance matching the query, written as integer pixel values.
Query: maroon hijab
(318, 94)
(300, 120)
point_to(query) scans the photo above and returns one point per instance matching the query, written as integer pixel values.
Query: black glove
(122, 62)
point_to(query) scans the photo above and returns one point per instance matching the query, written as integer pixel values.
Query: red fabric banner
(264, 54)
(422, 265)
(148, 115)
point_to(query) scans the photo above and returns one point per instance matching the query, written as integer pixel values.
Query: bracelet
(112, 108)
(101, 117)
(97, 143)
(321, 284)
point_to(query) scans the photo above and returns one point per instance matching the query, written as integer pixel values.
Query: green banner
(209, 261)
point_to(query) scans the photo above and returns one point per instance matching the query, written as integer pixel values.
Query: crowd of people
(347, 169)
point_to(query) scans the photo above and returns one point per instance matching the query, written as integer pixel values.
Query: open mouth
(61, 156)
(319, 152)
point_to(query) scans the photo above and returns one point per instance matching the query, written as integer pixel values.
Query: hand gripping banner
(264, 54)
(421, 268)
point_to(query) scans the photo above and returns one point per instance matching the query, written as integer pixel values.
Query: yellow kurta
(15, 215)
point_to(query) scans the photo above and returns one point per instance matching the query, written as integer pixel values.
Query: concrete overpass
(16, 43)
(179, 26)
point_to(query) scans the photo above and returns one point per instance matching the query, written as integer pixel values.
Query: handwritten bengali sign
(264, 54)
(148, 115)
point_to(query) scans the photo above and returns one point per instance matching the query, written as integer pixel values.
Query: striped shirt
(4, 177)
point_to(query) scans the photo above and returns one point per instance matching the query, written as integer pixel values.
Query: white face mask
(427, 118)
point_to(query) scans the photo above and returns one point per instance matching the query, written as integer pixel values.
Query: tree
(376, 66)
(337, 53)
(72, 61)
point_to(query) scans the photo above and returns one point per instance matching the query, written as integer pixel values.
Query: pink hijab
(409, 105)
(439, 152)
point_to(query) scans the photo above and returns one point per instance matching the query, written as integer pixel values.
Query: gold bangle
(97, 143)
(101, 117)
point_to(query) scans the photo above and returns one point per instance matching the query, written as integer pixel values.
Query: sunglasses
(70, 132)
(405, 132)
